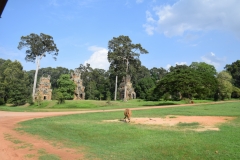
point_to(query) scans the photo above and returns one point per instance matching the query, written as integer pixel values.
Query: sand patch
(201, 123)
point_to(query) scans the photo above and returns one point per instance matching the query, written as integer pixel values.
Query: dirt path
(21, 146)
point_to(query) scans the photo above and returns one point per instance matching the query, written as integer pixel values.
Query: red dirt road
(20, 146)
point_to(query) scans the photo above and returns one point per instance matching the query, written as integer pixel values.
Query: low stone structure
(79, 93)
(130, 93)
(44, 91)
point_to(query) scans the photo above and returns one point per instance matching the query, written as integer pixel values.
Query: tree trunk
(125, 87)
(36, 73)
(115, 97)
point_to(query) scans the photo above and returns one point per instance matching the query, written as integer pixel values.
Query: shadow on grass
(161, 104)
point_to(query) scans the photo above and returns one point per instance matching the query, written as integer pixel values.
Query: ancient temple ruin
(130, 94)
(79, 93)
(44, 91)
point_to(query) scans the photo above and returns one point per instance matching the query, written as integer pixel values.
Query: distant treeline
(196, 81)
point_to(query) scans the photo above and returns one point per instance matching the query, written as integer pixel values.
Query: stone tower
(130, 94)
(79, 93)
(44, 90)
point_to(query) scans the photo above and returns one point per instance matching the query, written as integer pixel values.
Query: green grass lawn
(48, 106)
(116, 140)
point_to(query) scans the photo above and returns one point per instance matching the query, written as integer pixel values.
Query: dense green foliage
(66, 87)
(196, 81)
(123, 53)
(38, 45)
(60, 98)
(55, 74)
(99, 139)
(225, 86)
(123, 56)
(143, 86)
(187, 82)
(14, 83)
(204, 67)
(234, 70)
(96, 82)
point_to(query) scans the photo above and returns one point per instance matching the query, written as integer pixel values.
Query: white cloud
(194, 16)
(212, 54)
(168, 66)
(99, 58)
(149, 17)
(139, 1)
(212, 59)
(149, 29)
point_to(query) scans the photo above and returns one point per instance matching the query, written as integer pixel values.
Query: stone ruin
(44, 91)
(130, 93)
(79, 93)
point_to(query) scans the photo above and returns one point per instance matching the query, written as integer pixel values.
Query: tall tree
(16, 82)
(187, 82)
(234, 70)
(37, 47)
(101, 78)
(225, 86)
(3, 94)
(204, 67)
(143, 86)
(121, 49)
(86, 76)
(66, 86)
(158, 73)
(235, 92)
(142, 72)
(96, 81)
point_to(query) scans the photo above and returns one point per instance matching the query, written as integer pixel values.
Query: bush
(166, 96)
(187, 101)
(108, 98)
(2, 101)
(30, 101)
(60, 98)
(39, 99)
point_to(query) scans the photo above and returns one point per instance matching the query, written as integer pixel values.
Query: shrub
(2, 101)
(60, 98)
(30, 101)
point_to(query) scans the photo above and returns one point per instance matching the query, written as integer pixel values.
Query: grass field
(48, 106)
(103, 140)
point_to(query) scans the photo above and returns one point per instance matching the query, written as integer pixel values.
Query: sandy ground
(20, 146)
(204, 123)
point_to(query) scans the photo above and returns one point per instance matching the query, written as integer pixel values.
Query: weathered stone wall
(79, 93)
(130, 93)
(44, 91)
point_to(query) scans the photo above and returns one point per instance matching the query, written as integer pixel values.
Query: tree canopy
(185, 82)
(96, 81)
(225, 86)
(121, 49)
(123, 56)
(14, 83)
(204, 67)
(37, 47)
(66, 86)
(234, 70)
(197, 81)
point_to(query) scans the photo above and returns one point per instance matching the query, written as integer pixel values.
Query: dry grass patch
(196, 123)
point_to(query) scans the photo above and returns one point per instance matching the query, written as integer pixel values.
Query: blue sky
(173, 31)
